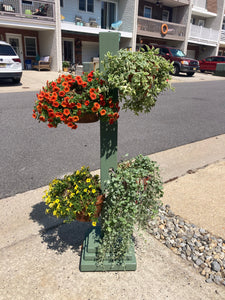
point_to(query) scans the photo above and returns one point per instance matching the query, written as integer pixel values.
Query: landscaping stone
(202, 249)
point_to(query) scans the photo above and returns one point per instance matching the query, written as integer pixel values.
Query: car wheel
(176, 70)
(16, 80)
(202, 71)
(190, 74)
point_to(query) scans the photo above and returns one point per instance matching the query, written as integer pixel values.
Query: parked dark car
(209, 63)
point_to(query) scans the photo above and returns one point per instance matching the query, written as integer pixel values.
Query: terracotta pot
(88, 118)
(81, 216)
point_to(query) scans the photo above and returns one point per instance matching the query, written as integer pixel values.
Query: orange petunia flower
(92, 96)
(34, 116)
(66, 89)
(45, 106)
(70, 124)
(65, 83)
(50, 125)
(89, 79)
(55, 104)
(62, 118)
(97, 105)
(64, 104)
(111, 105)
(79, 82)
(56, 89)
(94, 109)
(84, 84)
(101, 97)
(79, 105)
(51, 114)
(70, 119)
(42, 118)
(63, 76)
(116, 115)
(59, 80)
(102, 112)
(86, 103)
(62, 93)
(92, 90)
(69, 76)
(66, 112)
(58, 114)
(40, 98)
(75, 119)
(78, 78)
(53, 84)
(66, 98)
(53, 98)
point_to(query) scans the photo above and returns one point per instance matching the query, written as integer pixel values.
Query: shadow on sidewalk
(59, 236)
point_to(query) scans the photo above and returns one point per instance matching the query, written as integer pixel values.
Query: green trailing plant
(139, 77)
(133, 195)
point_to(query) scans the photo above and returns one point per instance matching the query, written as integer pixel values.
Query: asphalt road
(31, 154)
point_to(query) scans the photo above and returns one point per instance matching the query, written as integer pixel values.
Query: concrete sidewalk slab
(40, 255)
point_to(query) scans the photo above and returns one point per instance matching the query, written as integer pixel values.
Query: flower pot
(88, 118)
(83, 218)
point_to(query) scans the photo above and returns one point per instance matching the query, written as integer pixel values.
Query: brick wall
(212, 6)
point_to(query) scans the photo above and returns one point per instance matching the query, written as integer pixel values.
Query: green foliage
(65, 64)
(139, 77)
(133, 192)
(73, 194)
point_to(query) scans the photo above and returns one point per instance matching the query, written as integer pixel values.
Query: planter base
(88, 257)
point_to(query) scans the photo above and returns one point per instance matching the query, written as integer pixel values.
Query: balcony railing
(200, 3)
(222, 37)
(152, 28)
(203, 35)
(35, 10)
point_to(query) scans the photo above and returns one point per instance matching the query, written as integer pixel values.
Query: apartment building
(205, 27)
(154, 16)
(83, 20)
(32, 28)
(222, 39)
(69, 30)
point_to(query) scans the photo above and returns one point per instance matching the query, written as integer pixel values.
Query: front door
(15, 41)
(68, 50)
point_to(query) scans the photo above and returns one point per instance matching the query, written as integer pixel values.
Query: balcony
(203, 35)
(35, 11)
(152, 28)
(200, 9)
(222, 37)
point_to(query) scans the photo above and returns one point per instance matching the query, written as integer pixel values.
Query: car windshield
(7, 50)
(177, 52)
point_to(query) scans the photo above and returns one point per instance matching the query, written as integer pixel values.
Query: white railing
(199, 3)
(203, 34)
(222, 37)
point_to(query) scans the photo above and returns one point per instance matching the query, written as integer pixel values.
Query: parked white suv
(10, 63)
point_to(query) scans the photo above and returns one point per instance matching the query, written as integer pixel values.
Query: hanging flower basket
(88, 118)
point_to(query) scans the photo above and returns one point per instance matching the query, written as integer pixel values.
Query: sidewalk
(39, 256)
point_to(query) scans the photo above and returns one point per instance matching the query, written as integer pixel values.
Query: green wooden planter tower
(108, 42)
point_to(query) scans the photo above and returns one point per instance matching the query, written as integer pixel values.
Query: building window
(165, 15)
(86, 5)
(193, 21)
(108, 14)
(27, 2)
(61, 3)
(201, 23)
(30, 46)
(147, 12)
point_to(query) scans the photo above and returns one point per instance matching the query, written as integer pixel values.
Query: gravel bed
(203, 250)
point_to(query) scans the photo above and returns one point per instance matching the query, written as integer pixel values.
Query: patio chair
(43, 64)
